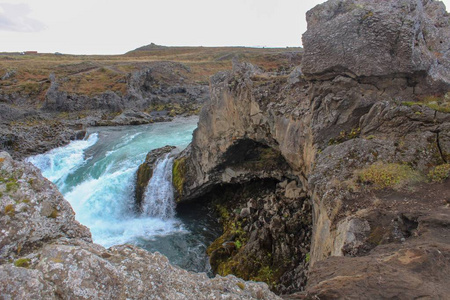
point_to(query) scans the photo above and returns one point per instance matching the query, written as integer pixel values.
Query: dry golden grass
(389, 175)
(94, 74)
(437, 102)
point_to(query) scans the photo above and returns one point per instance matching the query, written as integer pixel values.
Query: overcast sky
(118, 26)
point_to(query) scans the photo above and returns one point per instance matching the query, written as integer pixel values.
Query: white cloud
(118, 26)
(14, 17)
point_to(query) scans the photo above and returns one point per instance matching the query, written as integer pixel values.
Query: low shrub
(439, 173)
(389, 175)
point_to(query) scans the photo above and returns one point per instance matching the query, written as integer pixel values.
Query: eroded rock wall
(372, 93)
(157, 84)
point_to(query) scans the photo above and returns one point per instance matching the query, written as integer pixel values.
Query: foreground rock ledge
(46, 254)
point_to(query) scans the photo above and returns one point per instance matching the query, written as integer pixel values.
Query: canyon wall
(359, 126)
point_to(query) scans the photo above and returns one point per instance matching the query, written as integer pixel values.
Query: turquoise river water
(97, 176)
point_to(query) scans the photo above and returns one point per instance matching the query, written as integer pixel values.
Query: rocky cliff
(361, 132)
(157, 92)
(46, 254)
(158, 84)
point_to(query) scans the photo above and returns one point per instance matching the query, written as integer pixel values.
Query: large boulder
(367, 38)
(32, 211)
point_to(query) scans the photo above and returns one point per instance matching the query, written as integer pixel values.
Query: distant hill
(149, 47)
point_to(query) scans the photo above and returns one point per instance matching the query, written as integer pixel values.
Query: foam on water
(60, 162)
(97, 176)
(115, 232)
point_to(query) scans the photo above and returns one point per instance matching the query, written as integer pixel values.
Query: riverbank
(46, 100)
(39, 132)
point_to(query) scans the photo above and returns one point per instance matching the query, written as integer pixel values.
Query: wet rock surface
(261, 239)
(47, 254)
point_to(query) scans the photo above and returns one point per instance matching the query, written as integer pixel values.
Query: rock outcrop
(35, 137)
(46, 254)
(358, 128)
(33, 212)
(261, 221)
(159, 83)
(370, 39)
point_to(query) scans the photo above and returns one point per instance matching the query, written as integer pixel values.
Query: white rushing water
(97, 176)
(58, 163)
(158, 197)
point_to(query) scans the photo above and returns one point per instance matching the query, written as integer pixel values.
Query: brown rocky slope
(361, 132)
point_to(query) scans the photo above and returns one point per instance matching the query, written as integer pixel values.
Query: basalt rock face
(46, 254)
(367, 38)
(261, 221)
(340, 125)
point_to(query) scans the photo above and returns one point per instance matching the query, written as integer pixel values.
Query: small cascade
(59, 163)
(158, 196)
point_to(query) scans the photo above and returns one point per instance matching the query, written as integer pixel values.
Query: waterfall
(97, 177)
(158, 196)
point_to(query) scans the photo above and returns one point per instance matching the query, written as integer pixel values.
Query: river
(97, 176)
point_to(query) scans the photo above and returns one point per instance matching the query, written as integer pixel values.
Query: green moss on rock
(144, 173)
(53, 214)
(22, 262)
(12, 186)
(345, 136)
(439, 103)
(178, 176)
(9, 210)
(376, 236)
